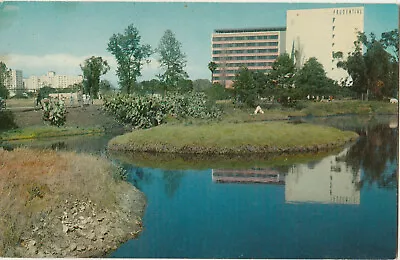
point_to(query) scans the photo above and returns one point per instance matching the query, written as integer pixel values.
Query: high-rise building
(15, 81)
(321, 32)
(254, 48)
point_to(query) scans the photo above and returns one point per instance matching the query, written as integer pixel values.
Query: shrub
(54, 112)
(151, 110)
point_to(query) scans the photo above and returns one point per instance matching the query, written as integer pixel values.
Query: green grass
(235, 115)
(232, 138)
(36, 132)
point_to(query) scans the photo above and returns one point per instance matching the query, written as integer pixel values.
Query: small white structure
(258, 110)
(393, 100)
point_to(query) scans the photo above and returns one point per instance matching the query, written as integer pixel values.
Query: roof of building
(261, 29)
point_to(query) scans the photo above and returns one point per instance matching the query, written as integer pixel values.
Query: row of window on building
(268, 57)
(246, 44)
(235, 71)
(246, 38)
(272, 50)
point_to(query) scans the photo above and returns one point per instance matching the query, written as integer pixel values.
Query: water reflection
(254, 175)
(328, 181)
(376, 155)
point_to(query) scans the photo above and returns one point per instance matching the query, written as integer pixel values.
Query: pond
(341, 204)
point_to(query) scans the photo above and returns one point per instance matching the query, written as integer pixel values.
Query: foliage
(7, 120)
(145, 111)
(105, 86)
(311, 79)
(45, 91)
(212, 66)
(92, 69)
(201, 85)
(375, 71)
(172, 60)
(282, 74)
(4, 76)
(153, 86)
(130, 55)
(247, 86)
(54, 112)
(217, 92)
(119, 174)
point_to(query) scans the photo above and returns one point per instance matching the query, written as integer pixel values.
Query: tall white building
(51, 79)
(321, 32)
(15, 81)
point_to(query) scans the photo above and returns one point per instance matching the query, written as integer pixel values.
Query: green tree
(105, 86)
(200, 85)
(4, 76)
(311, 79)
(130, 55)
(283, 71)
(245, 87)
(374, 71)
(172, 60)
(212, 66)
(92, 69)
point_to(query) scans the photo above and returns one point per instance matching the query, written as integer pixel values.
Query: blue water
(189, 215)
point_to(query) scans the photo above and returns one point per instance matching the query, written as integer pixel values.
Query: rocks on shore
(79, 228)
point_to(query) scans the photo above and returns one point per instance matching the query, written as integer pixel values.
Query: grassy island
(226, 138)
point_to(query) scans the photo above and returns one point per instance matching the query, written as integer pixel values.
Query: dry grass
(34, 181)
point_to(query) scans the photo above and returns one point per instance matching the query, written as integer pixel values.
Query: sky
(37, 37)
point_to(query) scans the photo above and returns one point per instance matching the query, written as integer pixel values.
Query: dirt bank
(60, 204)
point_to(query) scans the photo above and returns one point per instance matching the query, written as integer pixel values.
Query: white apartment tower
(15, 81)
(321, 32)
(51, 79)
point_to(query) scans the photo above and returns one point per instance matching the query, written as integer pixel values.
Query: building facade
(15, 81)
(53, 80)
(321, 32)
(254, 48)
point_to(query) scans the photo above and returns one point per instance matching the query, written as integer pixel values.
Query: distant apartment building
(15, 81)
(51, 79)
(320, 33)
(254, 48)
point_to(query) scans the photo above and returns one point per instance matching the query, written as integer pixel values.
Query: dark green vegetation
(92, 69)
(4, 75)
(375, 72)
(225, 138)
(37, 132)
(145, 111)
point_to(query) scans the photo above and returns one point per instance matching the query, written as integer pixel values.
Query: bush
(151, 110)
(7, 120)
(54, 112)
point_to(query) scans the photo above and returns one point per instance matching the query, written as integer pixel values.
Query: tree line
(372, 67)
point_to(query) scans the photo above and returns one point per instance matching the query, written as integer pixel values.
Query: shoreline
(233, 139)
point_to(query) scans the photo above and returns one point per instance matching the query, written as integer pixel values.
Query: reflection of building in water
(254, 175)
(328, 181)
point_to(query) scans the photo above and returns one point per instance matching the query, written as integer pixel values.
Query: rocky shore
(75, 209)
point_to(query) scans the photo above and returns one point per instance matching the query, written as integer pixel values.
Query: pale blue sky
(41, 36)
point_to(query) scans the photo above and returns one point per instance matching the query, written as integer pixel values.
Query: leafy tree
(4, 76)
(312, 79)
(282, 73)
(185, 85)
(172, 60)
(201, 85)
(376, 70)
(130, 55)
(92, 69)
(390, 40)
(105, 86)
(212, 66)
(245, 88)
(217, 92)
(152, 86)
